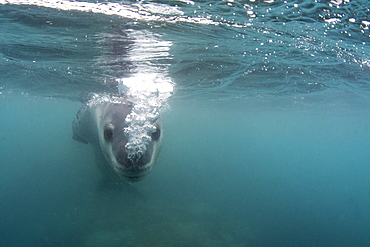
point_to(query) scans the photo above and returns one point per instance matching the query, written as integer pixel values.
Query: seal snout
(136, 162)
(133, 170)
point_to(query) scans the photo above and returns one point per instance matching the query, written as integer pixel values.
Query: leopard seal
(102, 125)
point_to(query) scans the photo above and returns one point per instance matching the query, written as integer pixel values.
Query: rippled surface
(237, 48)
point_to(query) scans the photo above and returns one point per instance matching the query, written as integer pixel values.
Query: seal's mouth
(134, 179)
(135, 175)
(133, 172)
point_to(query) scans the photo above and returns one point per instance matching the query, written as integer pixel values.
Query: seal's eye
(108, 133)
(156, 134)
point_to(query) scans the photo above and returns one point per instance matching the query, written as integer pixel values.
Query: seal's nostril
(136, 157)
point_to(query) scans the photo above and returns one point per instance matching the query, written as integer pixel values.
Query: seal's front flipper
(83, 126)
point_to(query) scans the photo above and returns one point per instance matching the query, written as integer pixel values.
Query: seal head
(113, 142)
(103, 125)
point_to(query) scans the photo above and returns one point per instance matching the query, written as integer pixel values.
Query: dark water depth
(226, 177)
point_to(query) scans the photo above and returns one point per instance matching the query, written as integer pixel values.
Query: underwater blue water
(266, 140)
